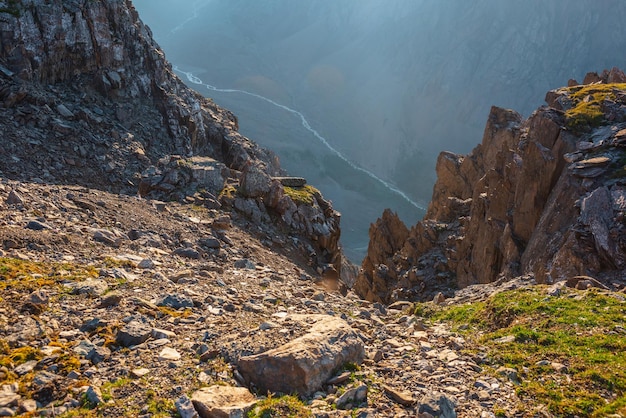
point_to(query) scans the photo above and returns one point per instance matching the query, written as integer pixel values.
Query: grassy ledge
(587, 104)
(302, 195)
(569, 350)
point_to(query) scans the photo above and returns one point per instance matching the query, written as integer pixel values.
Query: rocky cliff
(87, 97)
(543, 196)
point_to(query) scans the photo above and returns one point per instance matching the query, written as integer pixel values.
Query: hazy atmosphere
(360, 96)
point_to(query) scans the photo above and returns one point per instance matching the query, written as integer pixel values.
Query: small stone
(94, 396)
(253, 307)
(400, 397)
(400, 306)
(45, 378)
(83, 348)
(37, 226)
(6, 412)
(376, 356)
(24, 368)
(146, 264)
(181, 275)
(268, 325)
(176, 301)
(509, 373)
(209, 355)
(320, 297)
(158, 334)
(559, 367)
(108, 238)
(223, 401)
(133, 333)
(187, 253)
(169, 354)
(210, 243)
(8, 399)
(98, 354)
(141, 372)
(14, 198)
(355, 396)
(89, 326)
(185, 408)
(505, 339)
(64, 111)
(437, 405)
(73, 375)
(244, 263)
(336, 380)
(28, 405)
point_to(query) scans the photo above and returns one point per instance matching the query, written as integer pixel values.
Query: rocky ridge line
(542, 196)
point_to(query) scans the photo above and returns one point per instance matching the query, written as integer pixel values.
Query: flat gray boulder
(304, 364)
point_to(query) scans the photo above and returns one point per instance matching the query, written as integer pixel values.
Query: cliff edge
(544, 196)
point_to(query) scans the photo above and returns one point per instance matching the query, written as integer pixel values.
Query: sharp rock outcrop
(543, 196)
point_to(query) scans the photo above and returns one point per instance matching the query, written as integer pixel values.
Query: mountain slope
(89, 99)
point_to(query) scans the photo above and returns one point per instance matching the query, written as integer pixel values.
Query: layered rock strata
(541, 196)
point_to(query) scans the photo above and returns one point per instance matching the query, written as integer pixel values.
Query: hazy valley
(387, 84)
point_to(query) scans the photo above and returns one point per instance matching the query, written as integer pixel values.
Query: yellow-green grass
(284, 406)
(582, 330)
(587, 103)
(302, 195)
(25, 275)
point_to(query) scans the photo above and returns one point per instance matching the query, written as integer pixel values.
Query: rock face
(542, 196)
(303, 365)
(87, 97)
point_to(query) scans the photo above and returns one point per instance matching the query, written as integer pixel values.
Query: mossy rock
(302, 195)
(586, 111)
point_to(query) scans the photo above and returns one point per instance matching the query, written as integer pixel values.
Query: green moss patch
(587, 104)
(284, 406)
(302, 195)
(28, 276)
(569, 350)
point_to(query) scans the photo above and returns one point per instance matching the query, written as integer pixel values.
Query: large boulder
(304, 364)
